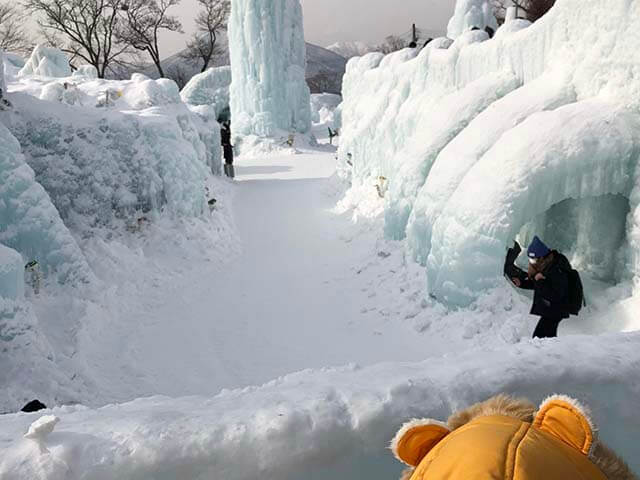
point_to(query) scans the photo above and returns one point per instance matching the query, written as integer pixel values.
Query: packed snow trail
(291, 299)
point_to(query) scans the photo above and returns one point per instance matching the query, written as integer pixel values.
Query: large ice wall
(29, 223)
(148, 162)
(566, 130)
(268, 90)
(11, 274)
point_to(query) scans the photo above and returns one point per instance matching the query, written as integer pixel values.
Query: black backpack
(576, 301)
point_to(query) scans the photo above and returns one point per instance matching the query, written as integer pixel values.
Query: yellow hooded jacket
(556, 445)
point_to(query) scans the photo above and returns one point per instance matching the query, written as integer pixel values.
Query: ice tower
(471, 14)
(268, 59)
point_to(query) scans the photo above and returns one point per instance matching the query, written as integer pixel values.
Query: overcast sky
(329, 21)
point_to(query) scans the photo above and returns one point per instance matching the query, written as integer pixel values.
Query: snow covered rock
(471, 14)
(46, 62)
(268, 89)
(11, 274)
(209, 88)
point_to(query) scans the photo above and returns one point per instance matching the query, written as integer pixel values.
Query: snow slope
(393, 108)
(349, 50)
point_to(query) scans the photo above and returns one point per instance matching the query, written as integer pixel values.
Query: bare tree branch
(13, 37)
(145, 19)
(86, 27)
(211, 20)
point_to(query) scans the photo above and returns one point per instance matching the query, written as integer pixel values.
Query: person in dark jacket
(548, 277)
(227, 148)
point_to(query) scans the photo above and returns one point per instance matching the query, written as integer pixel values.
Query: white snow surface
(268, 89)
(46, 62)
(392, 107)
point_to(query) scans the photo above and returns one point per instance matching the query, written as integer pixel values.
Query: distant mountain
(351, 49)
(325, 68)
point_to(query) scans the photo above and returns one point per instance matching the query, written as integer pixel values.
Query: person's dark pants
(228, 154)
(547, 328)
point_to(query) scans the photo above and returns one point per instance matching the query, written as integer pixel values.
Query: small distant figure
(225, 134)
(332, 135)
(33, 406)
(490, 31)
(413, 45)
(557, 287)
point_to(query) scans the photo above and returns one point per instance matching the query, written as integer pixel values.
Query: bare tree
(530, 9)
(392, 44)
(145, 19)
(87, 27)
(211, 20)
(13, 37)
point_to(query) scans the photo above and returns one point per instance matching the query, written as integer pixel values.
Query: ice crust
(578, 54)
(269, 92)
(46, 62)
(209, 88)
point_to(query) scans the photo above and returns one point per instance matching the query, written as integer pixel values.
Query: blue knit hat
(537, 249)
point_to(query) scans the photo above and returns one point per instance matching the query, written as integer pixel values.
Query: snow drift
(577, 60)
(209, 88)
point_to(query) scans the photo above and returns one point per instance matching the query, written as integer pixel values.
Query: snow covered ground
(304, 288)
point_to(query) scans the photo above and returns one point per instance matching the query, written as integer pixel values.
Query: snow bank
(29, 223)
(586, 51)
(46, 62)
(11, 274)
(267, 49)
(334, 423)
(209, 88)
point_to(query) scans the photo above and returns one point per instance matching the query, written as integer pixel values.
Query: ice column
(471, 14)
(268, 60)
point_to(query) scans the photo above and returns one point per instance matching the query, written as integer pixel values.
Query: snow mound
(209, 88)
(471, 14)
(42, 428)
(88, 72)
(11, 274)
(267, 48)
(394, 107)
(46, 62)
(145, 93)
(333, 423)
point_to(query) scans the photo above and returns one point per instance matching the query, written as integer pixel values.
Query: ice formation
(29, 223)
(209, 88)
(11, 274)
(471, 14)
(46, 62)
(268, 89)
(572, 86)
(324, 109)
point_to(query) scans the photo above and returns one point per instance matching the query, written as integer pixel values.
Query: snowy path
(291, 300)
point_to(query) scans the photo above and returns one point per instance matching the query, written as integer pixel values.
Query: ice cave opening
(590, 231)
